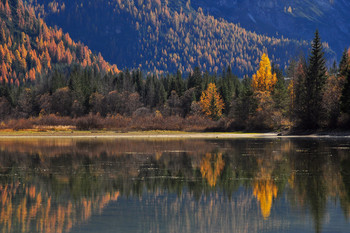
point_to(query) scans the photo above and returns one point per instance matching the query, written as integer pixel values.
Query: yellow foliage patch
(264, 79)
(211, 102)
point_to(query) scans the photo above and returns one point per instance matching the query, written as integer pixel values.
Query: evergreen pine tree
(160, 93)
(299, 95)
(229, 87)
(344, 65)
(344, 71)
(245, 105)
(280, 94)
(138, 82)
(314, 84)
(195, 80)
(179, 83)
(149, 96)
(345, 98)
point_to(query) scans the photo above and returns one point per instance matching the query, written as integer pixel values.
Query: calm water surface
(242, 185)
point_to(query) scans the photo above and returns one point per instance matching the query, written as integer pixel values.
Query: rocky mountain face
(297, 19)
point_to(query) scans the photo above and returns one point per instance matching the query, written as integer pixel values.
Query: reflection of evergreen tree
(345, 200)
(312, 187)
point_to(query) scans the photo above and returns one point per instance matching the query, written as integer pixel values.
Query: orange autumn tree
(264, 80)
(211, 102)
(263, 83)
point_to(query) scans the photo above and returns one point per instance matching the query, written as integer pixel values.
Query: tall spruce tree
(344, 64)
(245, 105)
(344, 71)
(314, 84)
(229, 87)
(345, 98)
(280, 94)
(195, 80)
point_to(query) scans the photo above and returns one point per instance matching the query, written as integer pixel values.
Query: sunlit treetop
(264, 79)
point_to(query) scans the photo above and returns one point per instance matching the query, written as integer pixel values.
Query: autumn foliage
(211, 102)
(29, 48)
(164, 36)
(264, 79)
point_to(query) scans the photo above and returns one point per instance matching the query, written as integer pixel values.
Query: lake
(238, 185)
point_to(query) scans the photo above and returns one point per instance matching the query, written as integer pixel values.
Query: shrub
(89, 122)
(20, 124)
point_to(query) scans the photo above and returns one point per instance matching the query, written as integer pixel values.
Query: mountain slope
(29, 48)
(296, 19)
(165, 35)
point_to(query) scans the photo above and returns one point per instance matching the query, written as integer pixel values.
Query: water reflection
(212, 165)
(249, 185)
(23, 209)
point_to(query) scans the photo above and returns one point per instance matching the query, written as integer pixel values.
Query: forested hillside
(295, 19)
(164, 36)
(48, 79)
(29, 49)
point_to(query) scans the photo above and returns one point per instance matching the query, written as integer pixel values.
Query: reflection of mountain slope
(161, 211)
(31, 209)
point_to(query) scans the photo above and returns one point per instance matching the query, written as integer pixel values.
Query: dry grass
(115, 123)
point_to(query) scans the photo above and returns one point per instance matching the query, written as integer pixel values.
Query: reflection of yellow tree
(265, 191)
(35, 212)
(211, 167)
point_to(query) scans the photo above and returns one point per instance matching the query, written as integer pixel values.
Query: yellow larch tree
(264, 80)
(211, 102)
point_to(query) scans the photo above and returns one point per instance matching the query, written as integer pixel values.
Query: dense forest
(164, 36)
(29, 49)
(292, 18)
(46, 75)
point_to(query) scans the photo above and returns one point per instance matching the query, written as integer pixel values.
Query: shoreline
(154, 135)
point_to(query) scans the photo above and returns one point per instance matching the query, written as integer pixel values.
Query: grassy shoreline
(131, 134)
(151, 134)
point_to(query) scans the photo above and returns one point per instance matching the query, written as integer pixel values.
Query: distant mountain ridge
(163, 36)
(295, 19)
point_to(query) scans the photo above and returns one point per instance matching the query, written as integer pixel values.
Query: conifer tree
(211, 102)
(297, 88)
(245, 105)
(179, 83)
(344, 70)
(230, 86)
(345, 99)
(195, 80)
(138, 82)
(280, 94)
(344, 64)
(311, 113)
(264, 79)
